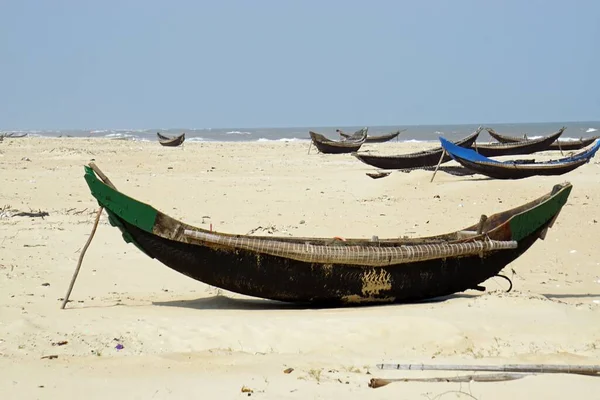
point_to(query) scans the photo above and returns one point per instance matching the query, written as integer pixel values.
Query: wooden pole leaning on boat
(87, 244)
(438, 164)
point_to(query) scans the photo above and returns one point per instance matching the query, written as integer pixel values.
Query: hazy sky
(258, 63)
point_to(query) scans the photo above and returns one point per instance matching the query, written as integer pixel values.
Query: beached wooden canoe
(559, 144)
(517, 169)
(12, 135)
(371, 139)
(421, 159)
(171, 141)
(516, 148)
(328, 146)
(331, 271)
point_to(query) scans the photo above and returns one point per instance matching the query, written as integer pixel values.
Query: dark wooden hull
(12, 135)
(559, 144)
(420, 159)
(328, 146)
(288, 280)
(516, 148)
(382, 138)
(519, 171)
(262, 273)
(171, 142)
(163, 137)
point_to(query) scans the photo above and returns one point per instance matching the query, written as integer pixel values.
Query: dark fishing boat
(371, 139)
(328, 146)
(331, 271)
(171, 141)
(419, 159)
(516, 169)
(12, 135)
(516, 148)
(559, 144)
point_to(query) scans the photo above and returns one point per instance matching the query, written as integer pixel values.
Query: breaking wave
(238, 133)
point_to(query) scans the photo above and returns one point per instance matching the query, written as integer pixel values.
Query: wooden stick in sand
(87, 244)
(309, 146)
(438, 165)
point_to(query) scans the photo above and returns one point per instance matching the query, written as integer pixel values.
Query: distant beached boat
(559, 144)
(328, 146)
(421, 159)
(371, 139)
(171, 141)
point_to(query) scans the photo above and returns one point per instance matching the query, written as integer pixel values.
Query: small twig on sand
(32, 214)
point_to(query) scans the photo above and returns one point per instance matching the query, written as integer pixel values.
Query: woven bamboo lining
(353, 254)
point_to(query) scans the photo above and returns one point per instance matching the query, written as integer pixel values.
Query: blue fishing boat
(516, 169)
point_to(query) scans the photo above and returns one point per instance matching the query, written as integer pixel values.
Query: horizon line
(306, 126)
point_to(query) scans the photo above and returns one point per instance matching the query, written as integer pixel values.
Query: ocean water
(575, 130)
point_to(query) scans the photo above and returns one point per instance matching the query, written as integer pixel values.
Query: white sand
(184, 339)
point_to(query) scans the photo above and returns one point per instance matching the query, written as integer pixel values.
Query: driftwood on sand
(529, 368)
(379, 382)
(506, 372)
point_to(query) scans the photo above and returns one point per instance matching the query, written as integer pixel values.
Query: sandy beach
(135, 329)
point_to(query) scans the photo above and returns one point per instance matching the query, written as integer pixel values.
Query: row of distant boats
(473, 156)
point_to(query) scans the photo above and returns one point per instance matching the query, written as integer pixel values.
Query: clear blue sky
(261, 63)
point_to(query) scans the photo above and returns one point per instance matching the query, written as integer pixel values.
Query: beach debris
(377, 175)
(379, 382)
(288, 370)
(25, 159)
(573, 252)
(60, 343)
(270, 229)
(8, 212)
(119, 346)
(246, 389)
(593, 370)
(50, 357)
(45, 284)
(302, 222)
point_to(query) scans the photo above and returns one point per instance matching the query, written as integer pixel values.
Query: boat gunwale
(172, 229)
